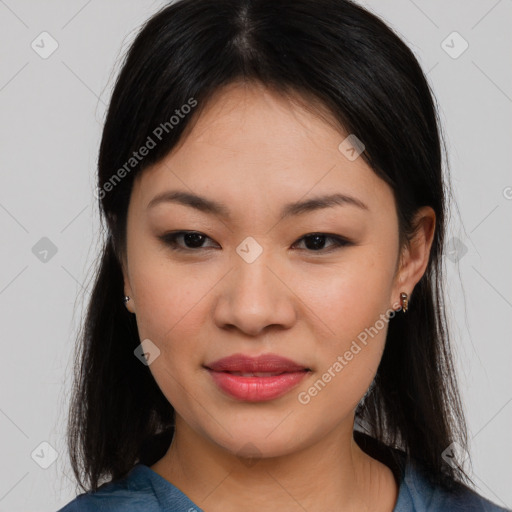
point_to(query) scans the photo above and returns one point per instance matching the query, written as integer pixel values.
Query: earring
(404, 300)
(126, 299)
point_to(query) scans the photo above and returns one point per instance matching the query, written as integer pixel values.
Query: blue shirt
(144, 490)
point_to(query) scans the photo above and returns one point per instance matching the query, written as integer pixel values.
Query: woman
(266, 329)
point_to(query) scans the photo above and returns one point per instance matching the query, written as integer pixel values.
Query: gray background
(52, 111)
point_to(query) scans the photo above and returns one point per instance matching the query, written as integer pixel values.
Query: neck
(332, 474)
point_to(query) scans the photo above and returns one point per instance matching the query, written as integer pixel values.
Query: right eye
(192, 240)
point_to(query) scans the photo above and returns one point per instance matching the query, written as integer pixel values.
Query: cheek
(352, 305)
(169, 295)
(351, 295)
(346, 363)
(171, 312)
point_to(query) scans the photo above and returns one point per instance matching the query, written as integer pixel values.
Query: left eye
(314, 242)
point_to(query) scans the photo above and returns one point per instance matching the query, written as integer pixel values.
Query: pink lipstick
(256, 379)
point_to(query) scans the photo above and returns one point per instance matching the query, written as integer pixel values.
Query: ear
(415, 255)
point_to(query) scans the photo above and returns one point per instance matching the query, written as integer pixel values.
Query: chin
(260, 441)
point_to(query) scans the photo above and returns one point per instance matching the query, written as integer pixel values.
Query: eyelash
(169, 239)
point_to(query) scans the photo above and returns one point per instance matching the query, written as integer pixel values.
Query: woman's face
(251, 284)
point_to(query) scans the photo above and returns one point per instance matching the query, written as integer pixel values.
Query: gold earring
(404, 300)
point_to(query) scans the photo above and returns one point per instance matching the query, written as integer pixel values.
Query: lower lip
(257, 389)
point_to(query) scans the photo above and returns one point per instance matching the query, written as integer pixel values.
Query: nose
(254, 297)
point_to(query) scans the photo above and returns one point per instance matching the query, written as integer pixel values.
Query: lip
(263, 363)
(274, 376)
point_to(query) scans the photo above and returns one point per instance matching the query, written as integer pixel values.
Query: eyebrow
(210, 206)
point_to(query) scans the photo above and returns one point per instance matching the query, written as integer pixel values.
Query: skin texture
(255, 151)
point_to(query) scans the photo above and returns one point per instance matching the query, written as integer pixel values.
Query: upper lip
(263, 363)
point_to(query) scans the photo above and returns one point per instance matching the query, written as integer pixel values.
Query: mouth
(256, 379)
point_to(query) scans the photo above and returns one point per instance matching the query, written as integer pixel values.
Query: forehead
(253, 145)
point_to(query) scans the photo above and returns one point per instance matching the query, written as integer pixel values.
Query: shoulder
(141, 490)
(114, 502)
(416, 492)
(433, 498)
(133, 493)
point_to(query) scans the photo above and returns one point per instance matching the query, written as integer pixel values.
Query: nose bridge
(253, 296)
(253, 278)
(253, 284)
